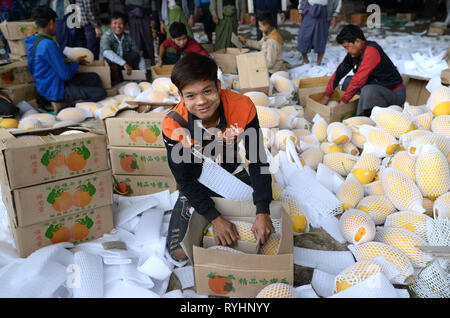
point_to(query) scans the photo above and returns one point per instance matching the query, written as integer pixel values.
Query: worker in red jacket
(181, 42)
(376, 79)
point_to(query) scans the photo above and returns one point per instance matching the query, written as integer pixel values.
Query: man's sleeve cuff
(211, 214)
(262, 207)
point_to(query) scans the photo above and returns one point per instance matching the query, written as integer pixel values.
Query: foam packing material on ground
(405, 241)
(322, 282)
(149, 227)
(132, 276)
(127, 208)
(186, 276)
(432, 172)
(156, 267)
(39, 275)
(174, 294)
(373, 250)
(411, 221)
(401, 190)
(376, 286)
(306, 291)
(120, 289)
(332, 262)
(90, 283)
(432, 282)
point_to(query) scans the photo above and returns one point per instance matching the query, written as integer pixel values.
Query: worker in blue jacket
(57, 80)
(266, 6)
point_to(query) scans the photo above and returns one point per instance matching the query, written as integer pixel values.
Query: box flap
(252, 69)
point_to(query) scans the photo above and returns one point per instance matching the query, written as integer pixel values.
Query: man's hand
(127, 67)
(283, 17)
(215, 19)
(82, 60)
(300, 19)
(325, 99)
(333, 22)
(162, 27)
(224, 231)
(98, 32)
(241, 39)
(262, 228)
(241, 22)
(191, 21)
(160, 62)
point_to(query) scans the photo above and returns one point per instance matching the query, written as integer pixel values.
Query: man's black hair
(177, 29)
(42, 15)
(350, 33)
(193, 67)
(267, 18)
(119, 15)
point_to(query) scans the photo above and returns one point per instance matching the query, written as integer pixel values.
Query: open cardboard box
(313, 85)
(334, 113)
(143, 185)
(120, 128)
(136, 75)
(253, 73)
(416, 91)
(143, 161)
(35, 204)
(14, 74)
(100, 67)
(226, 59)
(161, 71)
(41, 156)
(68, 228)
(19, 92)
(246, 274)
(18, 30)
(18, 47)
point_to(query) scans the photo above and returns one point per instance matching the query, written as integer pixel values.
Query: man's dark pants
(87, 87)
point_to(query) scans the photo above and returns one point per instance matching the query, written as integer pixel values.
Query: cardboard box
(101, 68)
(136, 75)
(406, 16)
(226, 59)
(20, 92)
(143, 161)
(330, 113)
(293, 15)
(161, 71)
(14, 74)
(17, 47)
(416, 92)
(313, 85)
(35, 204)
(246, 273)
(76, 228)
(47, 157)
(437, 28)
(445, 76)
(359, 19)
(253, 73)
(18, 30)
(125, 130)
(143, 185)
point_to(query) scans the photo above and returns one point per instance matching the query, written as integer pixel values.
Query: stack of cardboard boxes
(15, 32)
(56, 188)
(17, 83)
(137, 153)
